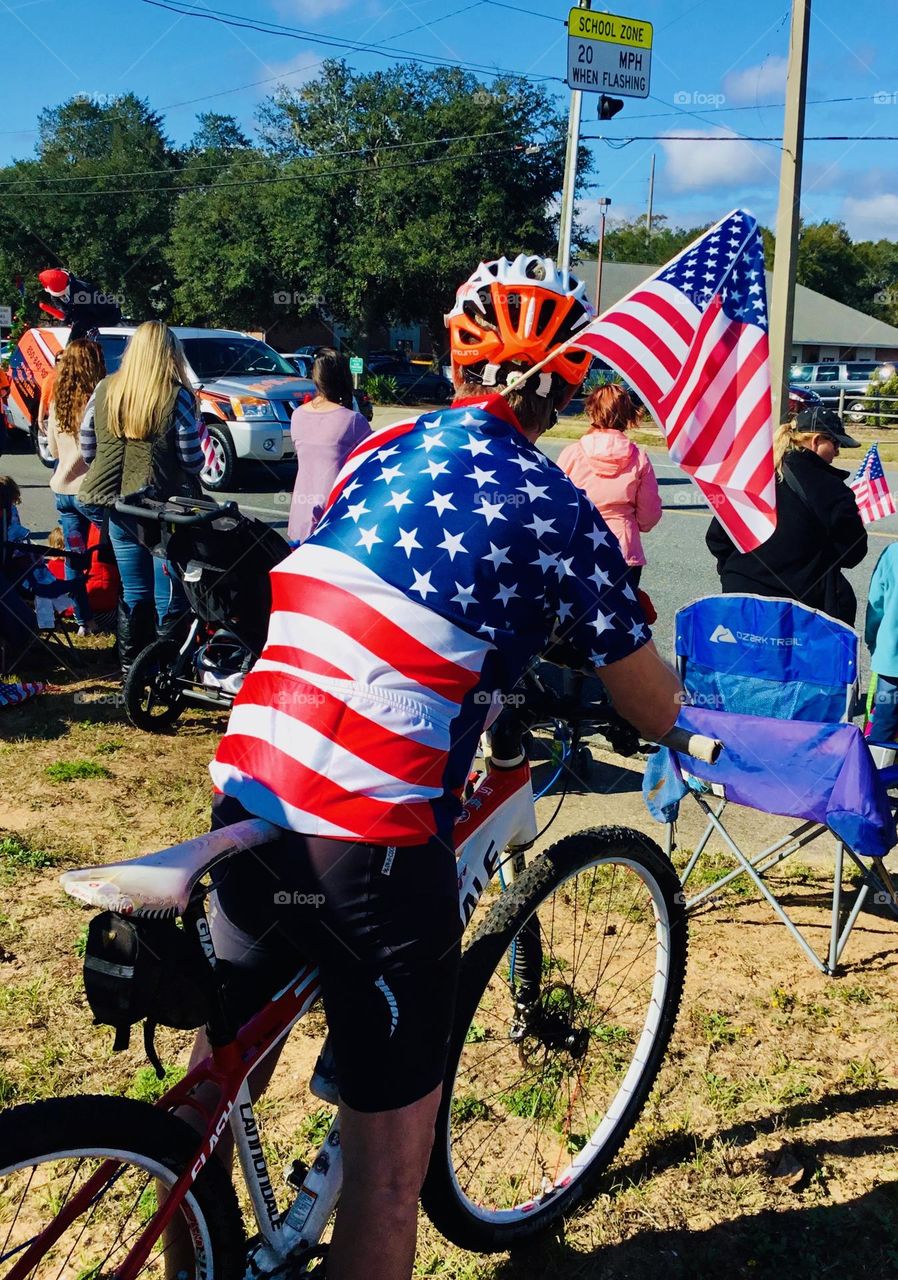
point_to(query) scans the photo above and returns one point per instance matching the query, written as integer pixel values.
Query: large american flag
(451, 553)
(692, 340)
(871, 488)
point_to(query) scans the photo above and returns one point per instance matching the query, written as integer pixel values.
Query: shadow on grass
(803, 1243)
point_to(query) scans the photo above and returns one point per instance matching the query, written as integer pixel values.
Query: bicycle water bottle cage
(139, 970)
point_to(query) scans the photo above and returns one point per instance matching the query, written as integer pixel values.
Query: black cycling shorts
(383, 926)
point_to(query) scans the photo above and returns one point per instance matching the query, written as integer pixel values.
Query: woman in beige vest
(140, 430)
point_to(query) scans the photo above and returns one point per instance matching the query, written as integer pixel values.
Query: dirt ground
(768, 1146)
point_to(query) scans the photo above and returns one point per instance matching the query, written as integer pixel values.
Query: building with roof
(822, 328)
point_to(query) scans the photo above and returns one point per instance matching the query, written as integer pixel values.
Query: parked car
(246, 391)
(302, 360)
(830, 378)
(414, 382)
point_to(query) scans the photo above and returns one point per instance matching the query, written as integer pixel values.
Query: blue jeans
(75, 528)
(145, 576)
(884, 722)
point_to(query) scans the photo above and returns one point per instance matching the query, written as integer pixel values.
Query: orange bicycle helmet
(508, 316)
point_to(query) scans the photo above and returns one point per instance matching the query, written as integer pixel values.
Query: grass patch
(16, 854)
(716, 1028)
(147, 1087)
(76, 770)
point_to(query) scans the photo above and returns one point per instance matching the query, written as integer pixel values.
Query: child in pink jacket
(615, 474)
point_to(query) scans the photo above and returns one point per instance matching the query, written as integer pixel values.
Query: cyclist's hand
(645, 691)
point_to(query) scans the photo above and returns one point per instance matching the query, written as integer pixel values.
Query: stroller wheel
(153, 700)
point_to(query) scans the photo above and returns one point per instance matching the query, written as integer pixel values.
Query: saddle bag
(145, 970)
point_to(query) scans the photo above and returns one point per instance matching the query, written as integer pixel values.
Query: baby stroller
(223, 559)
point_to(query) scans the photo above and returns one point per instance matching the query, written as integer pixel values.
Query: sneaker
(88, 628)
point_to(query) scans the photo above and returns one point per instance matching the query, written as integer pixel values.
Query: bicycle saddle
(160, 884)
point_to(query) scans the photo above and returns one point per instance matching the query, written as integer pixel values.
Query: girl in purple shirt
(325, 430)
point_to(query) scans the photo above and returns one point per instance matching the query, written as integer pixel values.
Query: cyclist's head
(507, 317)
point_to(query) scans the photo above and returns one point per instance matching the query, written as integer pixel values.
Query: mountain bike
(569, 990)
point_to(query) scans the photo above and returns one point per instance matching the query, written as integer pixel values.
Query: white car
(247, 392)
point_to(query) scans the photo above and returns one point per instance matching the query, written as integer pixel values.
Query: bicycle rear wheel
(568, 996)
(101, 1162)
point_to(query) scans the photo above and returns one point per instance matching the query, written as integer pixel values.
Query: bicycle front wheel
(568, 996)
(80, 1179)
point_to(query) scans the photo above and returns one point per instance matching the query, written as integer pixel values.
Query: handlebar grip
(696, 745)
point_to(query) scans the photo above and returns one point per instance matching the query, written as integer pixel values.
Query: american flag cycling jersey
(451, 553)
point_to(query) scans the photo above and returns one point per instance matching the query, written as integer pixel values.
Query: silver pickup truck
(247, 392)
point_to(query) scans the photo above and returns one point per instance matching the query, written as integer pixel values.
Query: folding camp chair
(761, 660)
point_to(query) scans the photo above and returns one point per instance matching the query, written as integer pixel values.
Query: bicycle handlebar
(696, 745)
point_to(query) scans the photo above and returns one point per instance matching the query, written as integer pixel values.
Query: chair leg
(835, 926)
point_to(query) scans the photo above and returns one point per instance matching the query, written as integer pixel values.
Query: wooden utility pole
(782, 294)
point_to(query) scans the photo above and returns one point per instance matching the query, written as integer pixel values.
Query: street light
(604, 202)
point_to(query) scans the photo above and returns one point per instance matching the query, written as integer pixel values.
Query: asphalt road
(679, 567)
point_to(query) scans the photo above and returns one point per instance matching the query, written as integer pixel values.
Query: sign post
(606, 54)
(356, 368)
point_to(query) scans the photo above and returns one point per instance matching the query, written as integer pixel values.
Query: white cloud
(765, 82)
(700, 166)
(297, 70)
(871, 217)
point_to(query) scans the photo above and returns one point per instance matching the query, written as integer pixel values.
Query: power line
(224, 18)
(738, 137)
(257, 157)
(308, 176)
(757, 106)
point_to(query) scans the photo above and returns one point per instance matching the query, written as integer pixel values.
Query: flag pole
(572, 342)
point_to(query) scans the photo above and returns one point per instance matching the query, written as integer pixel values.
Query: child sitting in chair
(881, 635)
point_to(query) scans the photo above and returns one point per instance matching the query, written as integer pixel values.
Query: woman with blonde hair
(79, 368)
(140, 431)
(614, 473)
(819, 531)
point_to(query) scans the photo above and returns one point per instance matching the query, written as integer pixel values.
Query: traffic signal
(609, 107)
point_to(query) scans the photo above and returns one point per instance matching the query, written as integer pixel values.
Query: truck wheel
(226, 473)
(39, 444)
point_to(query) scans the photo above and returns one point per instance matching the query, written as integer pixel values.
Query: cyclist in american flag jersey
(451, 553)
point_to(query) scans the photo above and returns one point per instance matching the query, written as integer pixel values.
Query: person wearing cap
(819, 531)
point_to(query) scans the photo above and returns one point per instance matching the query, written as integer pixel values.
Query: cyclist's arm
(644, 690)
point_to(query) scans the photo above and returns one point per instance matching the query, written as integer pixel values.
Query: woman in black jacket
(819, 531)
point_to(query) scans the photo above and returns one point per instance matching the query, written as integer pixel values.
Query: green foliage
(596, 380)
(146, 1086)
(75, 770)
(882, 405)
(629, 241)
(15, 853)
(382, 388)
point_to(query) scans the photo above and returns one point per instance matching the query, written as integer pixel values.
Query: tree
(827, 262)
(628, 241)
(218, 133)
(880, 279)
(93, 199)
(397, 213)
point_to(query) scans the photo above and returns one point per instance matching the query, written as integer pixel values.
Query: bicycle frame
(499, 815)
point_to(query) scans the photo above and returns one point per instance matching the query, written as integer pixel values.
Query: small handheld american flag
(871, 488)
(692, 340)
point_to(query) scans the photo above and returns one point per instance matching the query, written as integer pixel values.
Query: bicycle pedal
(295, 1174)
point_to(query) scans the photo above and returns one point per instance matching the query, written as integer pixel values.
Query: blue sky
(709, 57)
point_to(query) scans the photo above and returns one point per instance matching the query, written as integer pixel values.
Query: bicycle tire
(475, 1225)
(139, 681)
(84, 1127)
